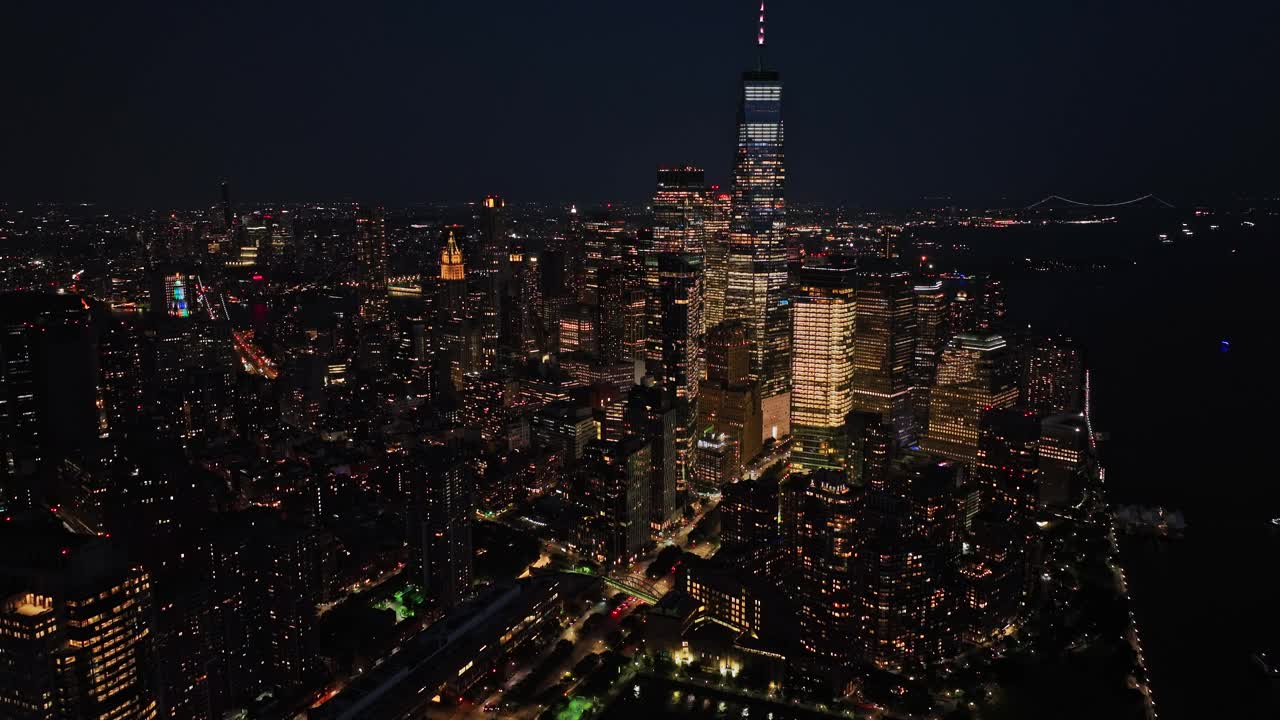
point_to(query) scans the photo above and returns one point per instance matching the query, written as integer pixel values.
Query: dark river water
(1190, 423)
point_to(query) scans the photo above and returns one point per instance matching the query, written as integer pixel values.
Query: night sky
(886, 103)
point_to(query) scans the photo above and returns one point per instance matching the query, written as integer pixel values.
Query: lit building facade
(884, 341)
(679, 211)
(647, 412)
(371, 284)
(729, 400)
(1053, 376)
(76, 633)
(976, 373)
(756, 263)
(716, 230)
(931, 336)
(822, 345)
(616, 486)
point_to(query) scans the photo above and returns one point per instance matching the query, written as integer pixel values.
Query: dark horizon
(154, 105)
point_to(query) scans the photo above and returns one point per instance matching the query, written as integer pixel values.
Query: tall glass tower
(756, 289)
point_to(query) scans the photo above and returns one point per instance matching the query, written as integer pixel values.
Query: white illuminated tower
(756, 289)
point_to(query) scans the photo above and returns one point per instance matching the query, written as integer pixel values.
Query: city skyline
(889, 106)
(722, 450)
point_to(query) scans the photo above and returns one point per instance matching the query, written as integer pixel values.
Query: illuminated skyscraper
(716, 229)
(647, 413)
(452, 267)
(616, 496)
(756, 288)
(578, 330)
(749, 513)
(976, 302)
(440, 518)
(679, 215)
(828, 538)
(729, 400)
(265, 579)
(884, 341)
(675, 327)
(976, 374)
(822, 342)
(371, 286)
(931, 335)
(675, 343)
(493, 274)
(1007, 467)
(371, 263)
(908, 546)
(1053, 376)
(1065, 458)
(679, 211)
(76, 629)
(601, 247)
(48, 389)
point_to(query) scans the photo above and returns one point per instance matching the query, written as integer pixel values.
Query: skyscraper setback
(756, 287)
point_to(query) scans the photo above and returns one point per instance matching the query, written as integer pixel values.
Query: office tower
(414, 357)
(635, 320)
(822, 346)
(873, 444)
(679, 210)
(459, 349)
(564, 426)
(991, 581)
(931, 335)
(976, 373)
(49, 389)
(453, 269)
(749, 513)
(828, 536)
(1008, 462)
(265, 581)
(371, 286)
(182, 644)
(191, 388)
(884, 341)
(121, 353)
(440, 518)
(648, 412)
(903, 575)
(141, 490)
(578, 329)
(611, 316)
(457, 339)
(75, 628)
(227, 217)
(976, 302)
(1053, 376)
(522, 334)
(1065, 459)
(616, 487)
(756, 288)
(711, 462)
(716, 230)
(729, 400)
(488, 399)
(675, 326)
(371, 263)
(494, 275)
(452, 303)
(603, 237)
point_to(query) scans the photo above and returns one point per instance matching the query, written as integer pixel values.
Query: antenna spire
(760, 35)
